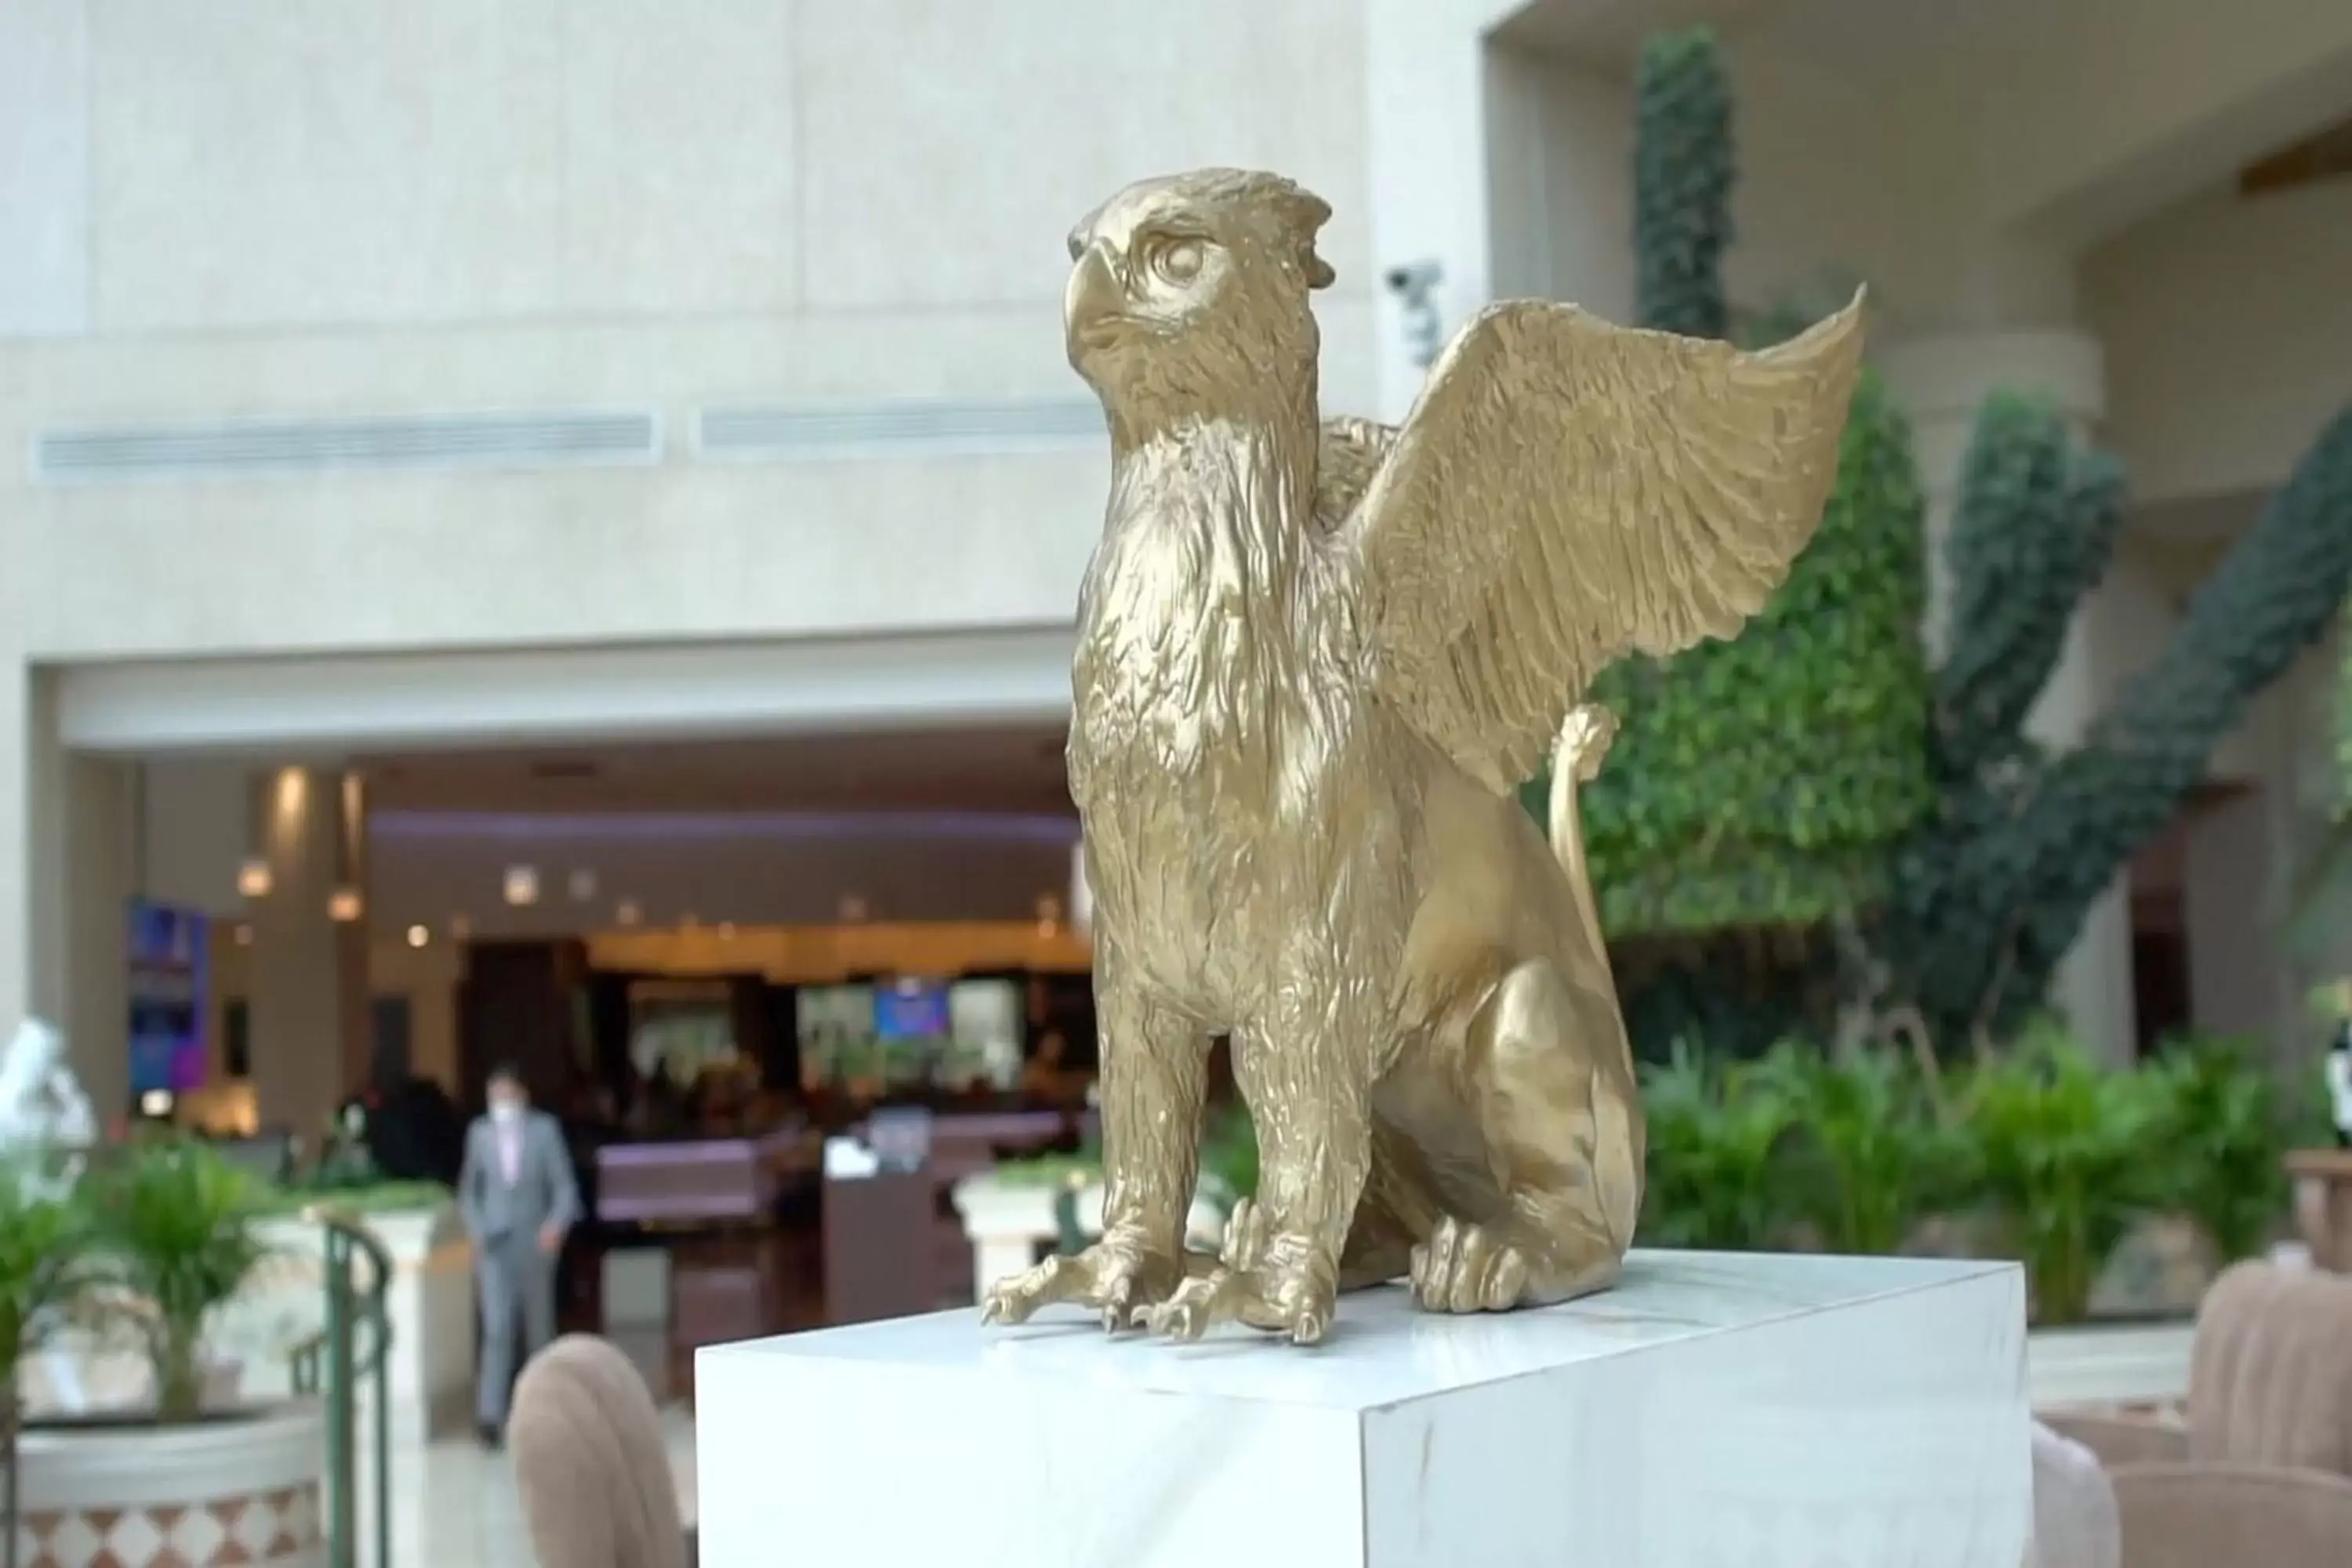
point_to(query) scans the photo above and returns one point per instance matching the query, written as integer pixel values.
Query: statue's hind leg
(1553, 1089)
(1398, 1212)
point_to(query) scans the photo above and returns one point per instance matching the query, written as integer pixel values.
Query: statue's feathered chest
(1172, 674)
(1205, 712)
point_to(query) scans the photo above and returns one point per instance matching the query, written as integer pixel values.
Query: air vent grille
(243, 447)
(898, 430)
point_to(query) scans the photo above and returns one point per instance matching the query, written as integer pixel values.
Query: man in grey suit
(517, 1198)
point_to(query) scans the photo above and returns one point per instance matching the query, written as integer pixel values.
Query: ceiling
(1867, 36)
(982, 770)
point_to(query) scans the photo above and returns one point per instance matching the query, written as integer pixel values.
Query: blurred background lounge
(548, 530)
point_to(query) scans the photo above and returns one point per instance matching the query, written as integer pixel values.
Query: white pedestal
(1713, 1410)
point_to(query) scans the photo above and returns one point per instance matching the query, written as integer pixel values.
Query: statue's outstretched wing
(1567, 491)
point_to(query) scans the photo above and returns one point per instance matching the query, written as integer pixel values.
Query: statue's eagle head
(1195, 285)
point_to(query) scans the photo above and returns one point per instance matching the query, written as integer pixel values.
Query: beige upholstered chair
(2260, 1472)
(2233, 1516)
(591, 1464)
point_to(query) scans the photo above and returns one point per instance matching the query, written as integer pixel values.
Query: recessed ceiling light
(253, 878)
(344, 905)
(522, 885)
(418, 936)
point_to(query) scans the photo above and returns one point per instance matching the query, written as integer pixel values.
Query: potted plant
(2225, 1138)
(42, 1270)
(2068, 1153)
(1715, 1137)
(1870, 1155)
(166, 1233)
(175, 1226)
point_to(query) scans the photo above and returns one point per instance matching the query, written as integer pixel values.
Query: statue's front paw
(1113, 1278)
(1298, 1301)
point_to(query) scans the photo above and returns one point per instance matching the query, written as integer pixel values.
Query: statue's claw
(1467, 1267)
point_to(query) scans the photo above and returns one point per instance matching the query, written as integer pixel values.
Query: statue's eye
(1178, 261)
(1077, 245)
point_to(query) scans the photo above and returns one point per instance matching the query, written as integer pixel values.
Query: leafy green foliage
(2226, 1134)
(1855, 1154)
(1683, 178)
(371, 1197)
(1872, 1155)
(2069, 1154)
(1716, 1130)
(44, 1262)
(172, 1222)
(1763, 782)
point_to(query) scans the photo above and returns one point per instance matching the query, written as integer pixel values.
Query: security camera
(1414, 278)
(1415, 286)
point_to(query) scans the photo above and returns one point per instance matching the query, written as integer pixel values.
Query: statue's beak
(1091, 304)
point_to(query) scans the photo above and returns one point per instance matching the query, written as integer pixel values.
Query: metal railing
(331, 1363)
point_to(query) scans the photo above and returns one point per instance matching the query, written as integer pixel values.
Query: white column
(309, 999)
(66, 839)
(15, 842)
(1941, 383)
(1426, 66)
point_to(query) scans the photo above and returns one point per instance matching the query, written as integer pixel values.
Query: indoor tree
(1813, 776)
(2024, 839)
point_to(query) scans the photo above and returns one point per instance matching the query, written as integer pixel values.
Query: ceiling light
(522, 885)
(253, 878)
(344, 905)
(418, 936)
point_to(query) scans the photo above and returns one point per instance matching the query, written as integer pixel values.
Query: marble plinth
(1714, 1410)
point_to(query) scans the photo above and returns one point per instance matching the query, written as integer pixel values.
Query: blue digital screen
(911, 1010)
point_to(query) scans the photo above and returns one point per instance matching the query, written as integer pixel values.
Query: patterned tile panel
(259, 1531)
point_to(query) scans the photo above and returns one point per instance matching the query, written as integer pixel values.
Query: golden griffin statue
(1315, 660)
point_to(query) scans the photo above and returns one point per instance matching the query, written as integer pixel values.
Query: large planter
(2323, 1205)
(431, 1303)
(238, 1489)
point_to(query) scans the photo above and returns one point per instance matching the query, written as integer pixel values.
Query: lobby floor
(455, 1505)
